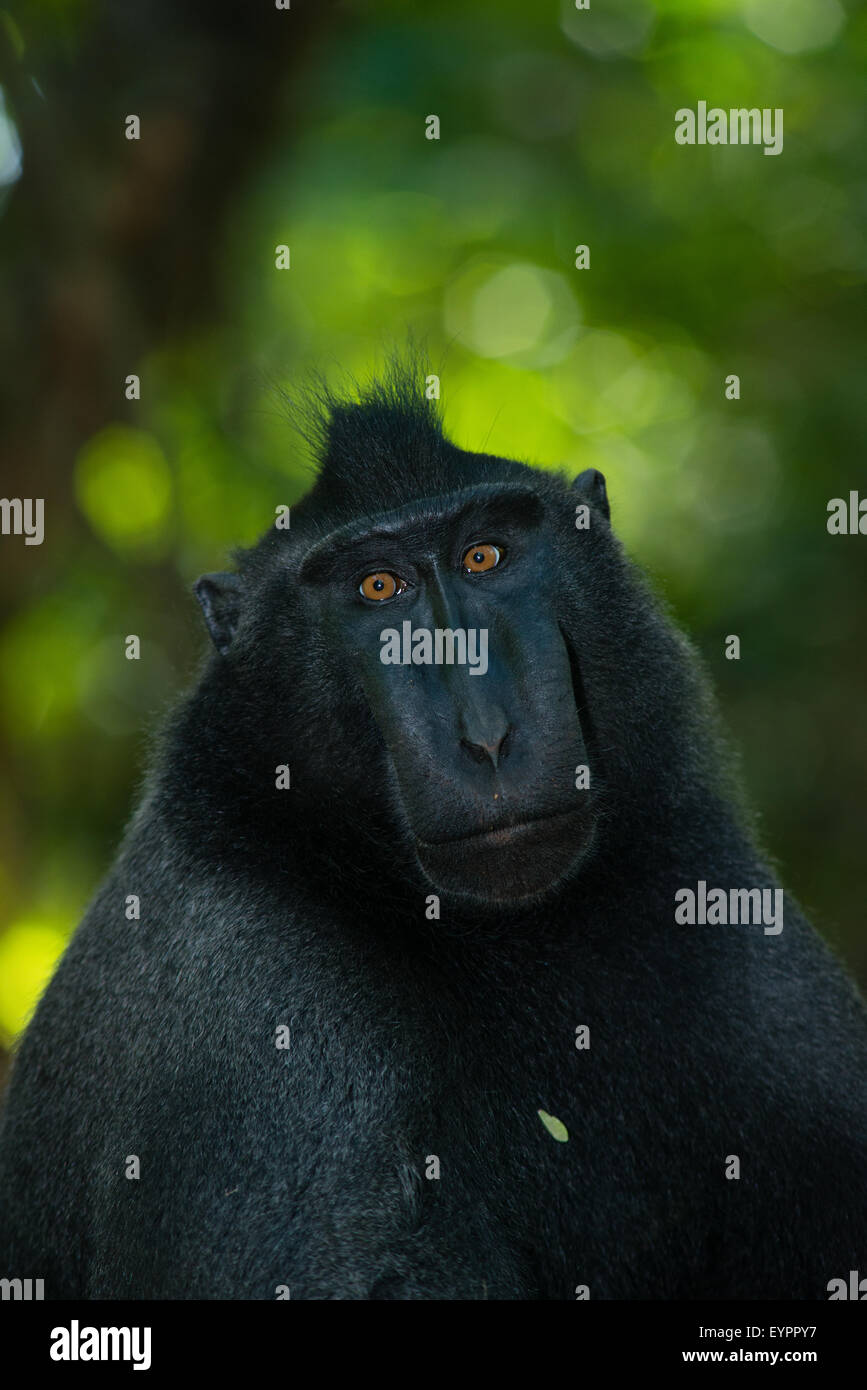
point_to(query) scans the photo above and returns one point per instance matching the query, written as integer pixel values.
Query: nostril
(488, 750)
(477, 751)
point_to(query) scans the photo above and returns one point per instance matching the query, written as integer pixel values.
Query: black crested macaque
(451, 887)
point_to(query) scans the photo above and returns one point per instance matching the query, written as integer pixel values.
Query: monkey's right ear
(220, 597)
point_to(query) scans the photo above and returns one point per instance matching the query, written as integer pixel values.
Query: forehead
(487, 504)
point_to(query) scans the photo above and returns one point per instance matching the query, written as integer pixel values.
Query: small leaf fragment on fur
(555, 1127)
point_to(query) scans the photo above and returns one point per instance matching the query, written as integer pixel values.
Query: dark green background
(307, 127)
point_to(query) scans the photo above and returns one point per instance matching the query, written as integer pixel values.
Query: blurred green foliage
(557, 130)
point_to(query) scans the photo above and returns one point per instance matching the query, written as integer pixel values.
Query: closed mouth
(500, 834)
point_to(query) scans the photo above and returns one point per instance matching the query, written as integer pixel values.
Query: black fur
(413, 1037)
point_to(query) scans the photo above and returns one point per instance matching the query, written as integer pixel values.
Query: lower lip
(505, 834)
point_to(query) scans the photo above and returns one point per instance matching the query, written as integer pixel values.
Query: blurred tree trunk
(108, 243)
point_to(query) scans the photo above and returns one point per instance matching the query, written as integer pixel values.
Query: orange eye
(381, 585)
(480, 558)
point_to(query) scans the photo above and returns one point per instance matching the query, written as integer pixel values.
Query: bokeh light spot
(29, 951)
(124, 487)
(795, 26)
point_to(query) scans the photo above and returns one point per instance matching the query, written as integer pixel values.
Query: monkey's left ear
(220, 597)
(591, 485)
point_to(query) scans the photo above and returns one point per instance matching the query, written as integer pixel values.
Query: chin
(514, 865)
